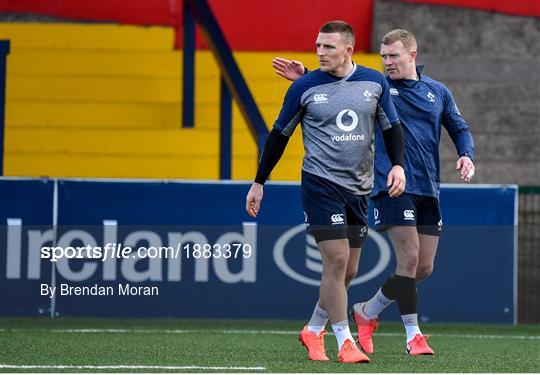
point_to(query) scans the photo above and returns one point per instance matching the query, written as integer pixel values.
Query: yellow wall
(105, 101)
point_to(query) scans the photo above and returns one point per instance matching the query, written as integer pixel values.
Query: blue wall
(279, 279)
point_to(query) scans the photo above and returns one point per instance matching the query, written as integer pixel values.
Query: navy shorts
(332, 212)
(420, 211)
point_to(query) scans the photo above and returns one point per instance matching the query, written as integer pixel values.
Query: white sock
(376, 305)
(342, 332)
(318, 320)
(410, 322)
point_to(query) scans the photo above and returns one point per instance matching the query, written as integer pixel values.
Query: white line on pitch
(258, 332)
(132, 367)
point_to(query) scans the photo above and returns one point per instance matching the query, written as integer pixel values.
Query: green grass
(459, 347)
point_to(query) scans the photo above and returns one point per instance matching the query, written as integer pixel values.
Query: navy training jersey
(423, 106)
(338, 117)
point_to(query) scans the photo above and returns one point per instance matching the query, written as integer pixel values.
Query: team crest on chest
(431, 97)
(367, 95)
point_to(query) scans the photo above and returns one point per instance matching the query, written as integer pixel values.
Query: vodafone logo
(350, 113)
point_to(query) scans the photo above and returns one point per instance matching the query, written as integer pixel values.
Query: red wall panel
(250, 25)
(514, 7)
(289, 25)
(140, 12)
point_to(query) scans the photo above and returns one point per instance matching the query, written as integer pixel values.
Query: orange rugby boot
(349, 353)
(365, 329)
(419, 346)
(314, 344)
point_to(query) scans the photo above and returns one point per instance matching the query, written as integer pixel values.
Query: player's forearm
(458, 129)
(394, 144)
(272, 152)
(464, 143)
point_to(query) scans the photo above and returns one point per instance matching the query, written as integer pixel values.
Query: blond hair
(404, 36)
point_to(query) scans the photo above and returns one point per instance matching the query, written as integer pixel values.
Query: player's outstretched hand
(396, 181)
(289, 69)
(253, 199)
(467, 168)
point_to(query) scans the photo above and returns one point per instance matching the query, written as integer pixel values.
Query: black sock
(388, 288)
(406, 298)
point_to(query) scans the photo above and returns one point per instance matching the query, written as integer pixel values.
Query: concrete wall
(491, 63)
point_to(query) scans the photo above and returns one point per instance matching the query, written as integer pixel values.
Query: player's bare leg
(352, 265)
(426, 256)
(333, 296)
(401, 286)
(406, 243)
(366, 313)
(319, 318)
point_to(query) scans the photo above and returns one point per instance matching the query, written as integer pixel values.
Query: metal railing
(232, 82)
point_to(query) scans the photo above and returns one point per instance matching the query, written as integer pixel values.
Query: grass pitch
(152, 345)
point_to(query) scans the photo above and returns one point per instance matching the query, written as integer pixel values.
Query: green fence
(529, 255)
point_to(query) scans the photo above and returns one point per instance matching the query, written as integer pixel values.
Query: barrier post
(4, 51)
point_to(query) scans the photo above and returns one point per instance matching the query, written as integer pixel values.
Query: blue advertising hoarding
(271, 271)
(26, 211)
